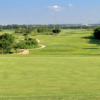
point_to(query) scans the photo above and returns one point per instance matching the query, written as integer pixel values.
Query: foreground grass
(49, 77)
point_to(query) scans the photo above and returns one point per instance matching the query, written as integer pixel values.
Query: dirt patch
(87, 40)
(38, 40)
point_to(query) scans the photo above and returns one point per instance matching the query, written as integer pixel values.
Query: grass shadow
(91, 40)
(90, 48)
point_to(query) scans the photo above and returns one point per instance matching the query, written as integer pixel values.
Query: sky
(49, 12)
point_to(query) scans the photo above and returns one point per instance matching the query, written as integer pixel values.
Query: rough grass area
(49, 77)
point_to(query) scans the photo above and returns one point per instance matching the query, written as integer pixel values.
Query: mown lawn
(49, 77)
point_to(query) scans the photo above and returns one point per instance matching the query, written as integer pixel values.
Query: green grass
(67, 69)
(7, 31)
(49, 77)
(69, 42)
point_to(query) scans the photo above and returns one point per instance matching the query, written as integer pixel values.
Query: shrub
(30, 38)
(51, 33)
(22, 45)
(40, 30)
(97, 33)
(26, 38)
(17, 31)
(33, 41)
(24, 31)
(29, 43)
(15, 47)
(56, 31)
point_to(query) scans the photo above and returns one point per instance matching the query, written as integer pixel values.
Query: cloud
(70, 5)
(55, 8)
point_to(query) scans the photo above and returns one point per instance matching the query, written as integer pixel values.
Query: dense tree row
(49, 31)
(23, 30)
(15, 26)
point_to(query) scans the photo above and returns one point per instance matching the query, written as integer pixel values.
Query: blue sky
(44, 11)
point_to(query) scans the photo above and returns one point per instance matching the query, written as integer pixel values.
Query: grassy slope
(49, 77)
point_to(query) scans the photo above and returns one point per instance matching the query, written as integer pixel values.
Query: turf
(49, 77)
(69, 42)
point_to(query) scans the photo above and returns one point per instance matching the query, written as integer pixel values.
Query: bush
(29, 31)
(97, 33)
(26, 35)
(26, 44)
(56, 31)
(34, 42)
(40, 30)
(51, 33)
(30, 38)
(24, 31)
(17, 31)
(22, 45)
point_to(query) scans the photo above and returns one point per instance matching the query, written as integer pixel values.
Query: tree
(56, 31)
(40, 30)
(6, 41)
(8, 37)
(5, 45)
(26, 36)
(97, 33)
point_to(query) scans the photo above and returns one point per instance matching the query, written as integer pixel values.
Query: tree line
(46, 31)
(16, 26)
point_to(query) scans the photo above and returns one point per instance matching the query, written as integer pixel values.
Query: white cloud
(55, 8)
(70, 5)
